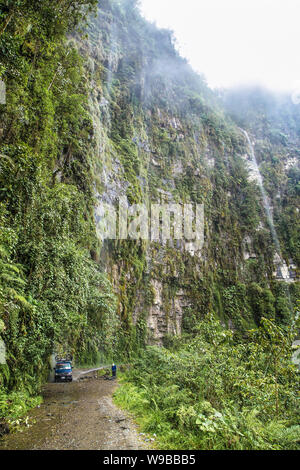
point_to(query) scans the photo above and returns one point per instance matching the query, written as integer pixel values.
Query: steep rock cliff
(162, 137)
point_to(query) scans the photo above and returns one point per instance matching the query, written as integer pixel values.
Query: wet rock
(4, 429)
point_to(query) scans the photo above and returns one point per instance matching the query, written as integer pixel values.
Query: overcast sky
(235, 42)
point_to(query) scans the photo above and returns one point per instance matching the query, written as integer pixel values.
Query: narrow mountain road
(77, 416)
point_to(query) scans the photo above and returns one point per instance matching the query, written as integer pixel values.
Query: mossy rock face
(175, 144)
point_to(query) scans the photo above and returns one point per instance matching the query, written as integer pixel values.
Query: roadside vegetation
(211, 391)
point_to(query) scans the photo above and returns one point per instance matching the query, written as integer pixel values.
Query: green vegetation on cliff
(51, 292)
(274, 121)
(167, 134)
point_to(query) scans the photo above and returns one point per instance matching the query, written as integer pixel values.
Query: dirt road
(78, 415)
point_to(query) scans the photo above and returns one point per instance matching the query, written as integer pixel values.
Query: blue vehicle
(63, 371)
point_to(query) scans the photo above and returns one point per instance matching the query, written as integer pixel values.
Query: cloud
(235, 42)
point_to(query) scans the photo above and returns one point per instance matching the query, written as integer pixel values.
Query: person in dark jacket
(114, 370)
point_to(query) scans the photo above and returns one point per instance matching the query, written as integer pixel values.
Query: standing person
(114, 370)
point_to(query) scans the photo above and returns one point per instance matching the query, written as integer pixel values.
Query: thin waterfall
(258, 177)
(265, 199)
(111, 57)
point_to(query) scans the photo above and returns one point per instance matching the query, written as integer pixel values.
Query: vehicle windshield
(62, 367)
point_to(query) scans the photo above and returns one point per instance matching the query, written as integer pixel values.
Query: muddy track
(77, 416)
